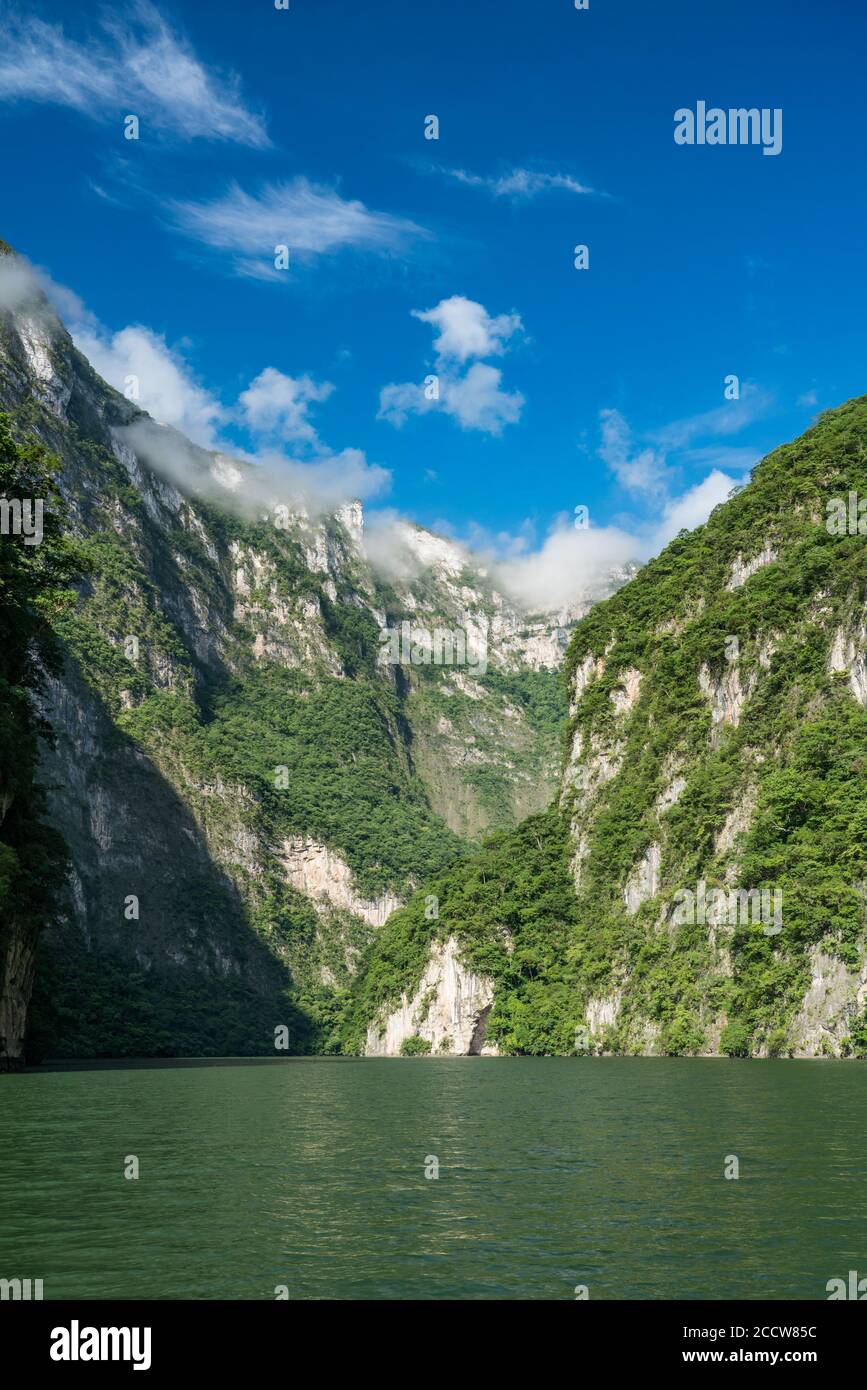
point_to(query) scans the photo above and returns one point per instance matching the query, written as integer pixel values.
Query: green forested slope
(771, 795)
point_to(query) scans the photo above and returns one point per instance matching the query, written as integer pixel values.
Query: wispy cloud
(692, 508)
(134, 360)
(735, 458)
(567, 566)
(272, 414)
(649, 469)
(729, 418)
(518, 184)
(474, 398)
(18, 286)
(252, 484)
(642, 471)
(136, 65)
(310, 219)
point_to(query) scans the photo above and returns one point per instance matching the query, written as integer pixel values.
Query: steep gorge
(244, 789)
(675, 863)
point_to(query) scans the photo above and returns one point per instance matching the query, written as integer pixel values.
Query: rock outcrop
(448, 1011)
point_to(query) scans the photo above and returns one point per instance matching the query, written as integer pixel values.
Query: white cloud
(332, 479)
(275, 404)
(809, 398)
(252, 485)
(30, 288)
(311, 219)
(402, 399)
(387, 545)
(466, 329)
(567, 565)
(18, 287)
(691, 509)
(646, 470)
(477, 403)
(137, 66)
(574, 563)
(519, 183)
(162, 384)
(273, 407)
(473, 398)
(136, 361)
(184, 438)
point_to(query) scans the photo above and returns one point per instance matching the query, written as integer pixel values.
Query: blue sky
(454, 257)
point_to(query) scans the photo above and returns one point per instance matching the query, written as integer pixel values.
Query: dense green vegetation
(798, 755)
(512, 907)
(94, 1003)
(340, 738)
(540, 695)
(801, 748)
(515, 761)
(347, 784)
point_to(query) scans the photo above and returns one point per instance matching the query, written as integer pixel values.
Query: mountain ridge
(232, 763)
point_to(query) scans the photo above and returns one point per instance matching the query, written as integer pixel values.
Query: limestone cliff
(447, 1013)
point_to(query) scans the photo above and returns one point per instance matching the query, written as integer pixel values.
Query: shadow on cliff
(189, 975)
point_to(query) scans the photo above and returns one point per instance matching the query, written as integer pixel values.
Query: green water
(552, 1172)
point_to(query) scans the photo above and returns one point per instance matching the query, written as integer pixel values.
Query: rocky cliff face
(701, 884)
(247, 790)
(719, 730)
(447, 1013)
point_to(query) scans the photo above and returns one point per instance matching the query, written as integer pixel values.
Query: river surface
(309, 1175)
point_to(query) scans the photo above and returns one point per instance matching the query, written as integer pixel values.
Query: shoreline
(146, 1063)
